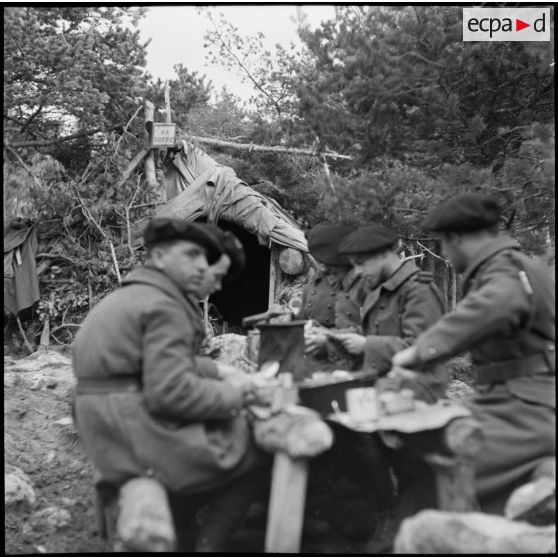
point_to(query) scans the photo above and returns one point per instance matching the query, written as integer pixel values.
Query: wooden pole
(149, 161)
(167, 103)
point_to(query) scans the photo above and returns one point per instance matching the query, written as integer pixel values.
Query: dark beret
(162, 229)
(368, 240)
(324, 241)
(465, 212)
(233, 248)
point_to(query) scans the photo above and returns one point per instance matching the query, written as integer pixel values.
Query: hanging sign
(163, 134)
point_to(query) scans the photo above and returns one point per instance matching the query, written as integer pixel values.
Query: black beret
(233, 248)
(368, 240)
(324, 241)
(161, 229)
(465, 212)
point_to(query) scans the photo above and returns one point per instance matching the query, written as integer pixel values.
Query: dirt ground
(39, 439)
(41, 442)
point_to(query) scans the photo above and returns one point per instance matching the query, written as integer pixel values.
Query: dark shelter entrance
(249, 293)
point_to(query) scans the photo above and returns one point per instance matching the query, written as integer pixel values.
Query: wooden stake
(115, 261)
(27, 344)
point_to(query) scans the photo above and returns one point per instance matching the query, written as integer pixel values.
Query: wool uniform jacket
(183, 425)
(506, 320)
(394, 314)
(333, 303)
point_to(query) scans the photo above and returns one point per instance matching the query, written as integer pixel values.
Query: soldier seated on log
(147, 405)
(506, 319)
(331, 299)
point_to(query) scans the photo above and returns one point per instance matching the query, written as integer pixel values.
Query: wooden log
(144, 521)
(291, 261)
(455, 483)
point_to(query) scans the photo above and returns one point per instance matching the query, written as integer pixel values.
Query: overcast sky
(177, 32)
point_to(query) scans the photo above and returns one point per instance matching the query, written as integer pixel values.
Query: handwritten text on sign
(163, 135)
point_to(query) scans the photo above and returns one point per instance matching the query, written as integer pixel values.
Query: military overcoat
(334, 303)
(394, 314)
(183, 425)
(506, 320)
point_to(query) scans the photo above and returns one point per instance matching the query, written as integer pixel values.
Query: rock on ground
(17, 488)
(438, 532)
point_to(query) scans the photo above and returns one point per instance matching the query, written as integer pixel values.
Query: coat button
(150, 472)
(431, 351)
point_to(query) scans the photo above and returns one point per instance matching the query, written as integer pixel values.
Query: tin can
(362, 404)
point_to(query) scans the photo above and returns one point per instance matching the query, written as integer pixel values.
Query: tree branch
(265, 148)
(39, 143)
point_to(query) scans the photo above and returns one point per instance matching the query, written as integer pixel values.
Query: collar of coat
(346, 281)
(399, 276)
(497, 245)
(156, 278)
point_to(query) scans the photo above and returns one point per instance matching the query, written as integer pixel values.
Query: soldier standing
(506, 320)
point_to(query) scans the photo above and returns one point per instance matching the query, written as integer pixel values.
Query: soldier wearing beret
(506, 321)
(401, 302)
(146, 404)
(331, 297)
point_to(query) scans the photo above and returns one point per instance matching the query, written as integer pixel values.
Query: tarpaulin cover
(217, 193)
(21, 284)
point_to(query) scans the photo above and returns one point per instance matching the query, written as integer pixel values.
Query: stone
(534, 502)
(437, 532)
(18, 489)
(53, 517)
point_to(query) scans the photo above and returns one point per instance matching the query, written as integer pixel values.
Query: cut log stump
(144, 521)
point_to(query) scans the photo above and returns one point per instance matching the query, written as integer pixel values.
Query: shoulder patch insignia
(525, 282)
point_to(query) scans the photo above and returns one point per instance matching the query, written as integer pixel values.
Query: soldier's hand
(226, 370)
(407, 358)
(314, 343)
(353, 342)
